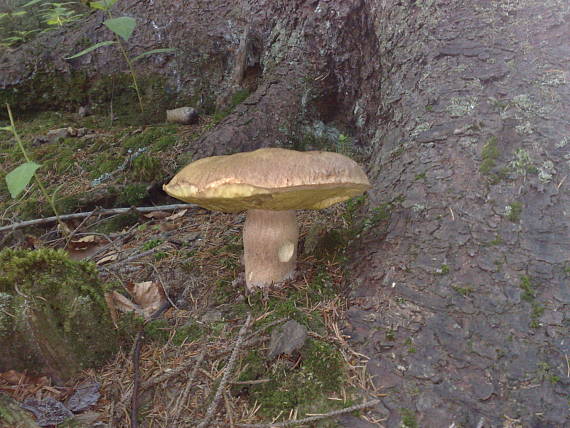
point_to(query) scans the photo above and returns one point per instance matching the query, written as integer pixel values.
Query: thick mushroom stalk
(270, 247)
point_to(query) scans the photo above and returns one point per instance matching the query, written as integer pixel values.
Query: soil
(459, 111)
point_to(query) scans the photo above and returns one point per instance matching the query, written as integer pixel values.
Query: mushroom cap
(271, 179)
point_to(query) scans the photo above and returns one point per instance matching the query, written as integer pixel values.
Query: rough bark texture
(461, 110)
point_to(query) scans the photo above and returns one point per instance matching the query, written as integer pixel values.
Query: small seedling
(18, 179)
(123, 28)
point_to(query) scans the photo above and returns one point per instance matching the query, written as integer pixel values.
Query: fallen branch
(312, 418)
(109, 211)
(227, 373)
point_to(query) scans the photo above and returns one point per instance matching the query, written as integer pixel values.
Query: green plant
(19, 178)
(122, 27)
(513, 211)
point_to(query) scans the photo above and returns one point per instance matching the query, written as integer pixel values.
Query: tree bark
(460, 112)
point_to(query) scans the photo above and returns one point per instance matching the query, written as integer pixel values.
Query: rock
(83, 111)
(287, 338)
(85, 396)
(48, 411)
(55, 135)
(182, 115)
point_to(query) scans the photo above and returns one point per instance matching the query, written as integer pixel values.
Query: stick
(312, 418)
(226, 376)
(183, 398)
(108, 211)
(137, 378)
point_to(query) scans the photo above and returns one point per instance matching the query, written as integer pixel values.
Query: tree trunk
(460, 112)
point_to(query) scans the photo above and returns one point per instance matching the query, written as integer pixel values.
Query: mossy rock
(53, 317)
(12, 415)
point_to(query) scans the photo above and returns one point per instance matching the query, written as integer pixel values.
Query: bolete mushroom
(270, 184)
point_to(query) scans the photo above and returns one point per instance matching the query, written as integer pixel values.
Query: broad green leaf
(102, 5)
(6, 128)
(122, 26)
(31, 3)
(20, 177)
(91, 48)
(19, 13)
(154, 51)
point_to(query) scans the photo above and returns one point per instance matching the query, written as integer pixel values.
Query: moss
(408, 419)
(157, 331)
(527, 286)
(464, 291)
(146, 168)
(155, 137)
(58, 303)
(443, 270)
(103, 163)
(187, 333)
(306, 387)
(68, 91)
(117, 223)
(513, 211)
(132, 195)
(489, 156)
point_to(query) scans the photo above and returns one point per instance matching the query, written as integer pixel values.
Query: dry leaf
(177, 215)
(123, 304)
(156, 214)
(17, 378)
(84, 243)
(148, 295)
(109, 258)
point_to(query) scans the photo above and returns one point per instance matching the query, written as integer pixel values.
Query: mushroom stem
(270, 247)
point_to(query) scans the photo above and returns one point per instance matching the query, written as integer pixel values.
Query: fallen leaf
(110, 258)
(14, 377)
(123, 304)
(156, 215)
(177, 215)
(148, 295)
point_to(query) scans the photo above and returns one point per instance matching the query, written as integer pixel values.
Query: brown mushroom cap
(270, 179)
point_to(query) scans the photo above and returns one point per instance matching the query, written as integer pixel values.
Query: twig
(137, 378)
(250, 382)
(227, 372)
(108, 211)
(136, 256)
(91, 214)
(183, 398)
(312, 418)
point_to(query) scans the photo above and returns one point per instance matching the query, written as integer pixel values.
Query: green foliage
(306, 387)
(122, 27)
(146, 168)
(157, 331)
(514, 211)
(132, 195)
(67, 298)
(187, 333)
(117, 223)
(19, 178)
(526, 285)
(151, 243)
(489, 156)
(408, 419)
(156, 138)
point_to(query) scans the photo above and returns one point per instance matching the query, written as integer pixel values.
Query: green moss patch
(59, 321)
(305, 387)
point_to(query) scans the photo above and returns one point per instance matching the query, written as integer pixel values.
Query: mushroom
(270, 184)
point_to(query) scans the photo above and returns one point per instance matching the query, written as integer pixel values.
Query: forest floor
(195, 256)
